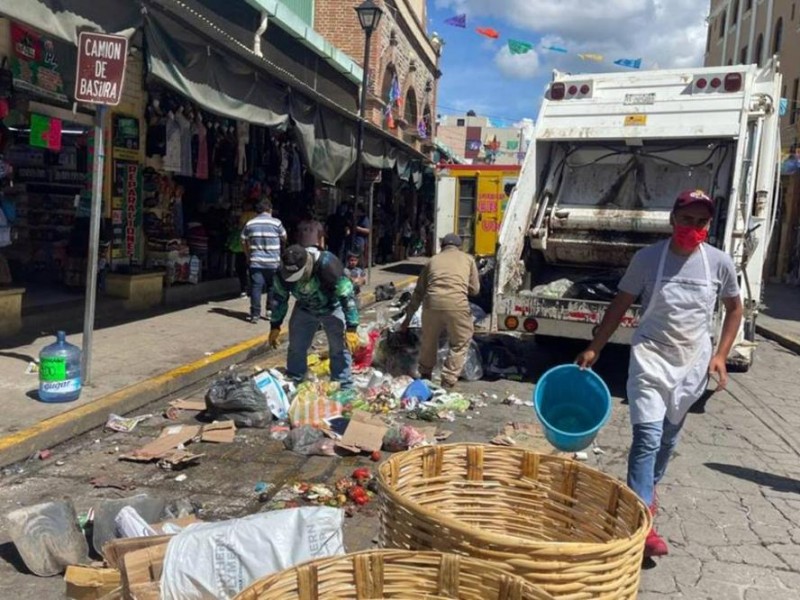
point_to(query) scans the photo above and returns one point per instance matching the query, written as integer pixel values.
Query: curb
(60, 428)
(787, 341)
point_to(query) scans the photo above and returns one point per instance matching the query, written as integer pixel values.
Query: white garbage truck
(610, 154)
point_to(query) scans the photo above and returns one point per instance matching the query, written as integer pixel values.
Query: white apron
(667, 376)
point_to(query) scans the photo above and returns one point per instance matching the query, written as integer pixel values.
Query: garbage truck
(611, 152)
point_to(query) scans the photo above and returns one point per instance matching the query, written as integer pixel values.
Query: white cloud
(665, 35)
(517, 66)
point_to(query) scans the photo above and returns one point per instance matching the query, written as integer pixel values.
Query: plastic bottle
(60, 371)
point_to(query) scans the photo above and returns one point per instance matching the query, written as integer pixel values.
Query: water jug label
(61, 387)
(53, 368)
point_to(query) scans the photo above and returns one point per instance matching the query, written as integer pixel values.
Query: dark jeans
(260, 281)
(241, 272)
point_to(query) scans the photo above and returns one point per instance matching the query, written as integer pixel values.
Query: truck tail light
(716, 82)
(733, 82)
(701, 83)
(511, 322)
(531, 325)
(573, 89)
(585, 89)
(558, 91)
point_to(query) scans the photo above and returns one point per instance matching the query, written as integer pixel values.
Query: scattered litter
(171, 438)
(124, 424)
(44, 454)
(60, 463)
(181, 477)
(87, 583)
(309, 441)
(130, 524)
(219, 432)
(238, 398)
(208, 353)
(582, 456)
(32, 368)
(597, 449)
(364, 433)
(279, 431)
(197, 405)
(503, 440)
(261, 487)
(172, 414)
(178, 459)
(104, 529)
(513, 400)
(100, 483)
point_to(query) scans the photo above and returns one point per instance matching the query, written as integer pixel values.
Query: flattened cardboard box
(364, 433)
(141, 573)
(91, 583)
(171, 437)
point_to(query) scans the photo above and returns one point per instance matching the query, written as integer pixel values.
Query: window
(722, 23)
(743, 56)
(793, 107)
(759, 56)
(411, 110)
(735, 13)
(461, 122)
(776, 45)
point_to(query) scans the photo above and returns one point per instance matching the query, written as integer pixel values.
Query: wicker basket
(395, 574)
(571, 530)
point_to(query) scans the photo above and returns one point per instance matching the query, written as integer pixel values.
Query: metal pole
(369, 242)
(360, 145)
(94, 245)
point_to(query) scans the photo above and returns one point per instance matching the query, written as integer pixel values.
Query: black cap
(451, 239)
(293, 263)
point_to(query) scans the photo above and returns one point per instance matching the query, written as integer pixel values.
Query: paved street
(729, 505)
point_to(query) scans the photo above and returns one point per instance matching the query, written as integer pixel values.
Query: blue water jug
(60, 371)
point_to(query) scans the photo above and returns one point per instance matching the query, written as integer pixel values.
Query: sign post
(101, 73)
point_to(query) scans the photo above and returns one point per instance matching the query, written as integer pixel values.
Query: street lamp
(369, 16)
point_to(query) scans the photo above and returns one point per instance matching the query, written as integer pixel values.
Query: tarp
(62, 18)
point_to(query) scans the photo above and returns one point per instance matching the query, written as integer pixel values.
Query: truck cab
(610, 154)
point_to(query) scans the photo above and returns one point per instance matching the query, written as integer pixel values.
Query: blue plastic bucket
(572, 405)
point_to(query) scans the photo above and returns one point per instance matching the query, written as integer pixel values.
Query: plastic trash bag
(238, 398)
(130, 524)
(151, 510)
(308, 441)
(554, 289)
(473, 367)
(219, 560)
(478, 314)
(397, 353)
(47, 537)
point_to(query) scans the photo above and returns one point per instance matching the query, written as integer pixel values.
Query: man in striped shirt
(262, 237)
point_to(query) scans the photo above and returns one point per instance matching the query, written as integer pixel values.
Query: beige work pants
(459, 327)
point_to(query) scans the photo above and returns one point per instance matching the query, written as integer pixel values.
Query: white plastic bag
(218, 560)
(271, 387)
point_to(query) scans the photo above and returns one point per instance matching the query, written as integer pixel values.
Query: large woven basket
(395, 574)
(571, 530)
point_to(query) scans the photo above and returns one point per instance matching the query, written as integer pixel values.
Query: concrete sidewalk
(780, 317)
(138, 361)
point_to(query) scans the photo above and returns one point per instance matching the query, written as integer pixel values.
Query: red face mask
(689, 238)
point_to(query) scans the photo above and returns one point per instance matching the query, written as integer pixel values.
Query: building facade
(404, 64)
(753, 31)
(478, 140)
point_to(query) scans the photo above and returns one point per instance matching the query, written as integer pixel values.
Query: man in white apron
(672, 356)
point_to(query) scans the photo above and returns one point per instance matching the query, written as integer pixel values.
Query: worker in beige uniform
(442, 289)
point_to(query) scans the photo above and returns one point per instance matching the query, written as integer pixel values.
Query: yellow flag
(592, 57)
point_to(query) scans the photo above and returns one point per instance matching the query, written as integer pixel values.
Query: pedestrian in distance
(443, 289)
(323, 296)
(679, 281)
(310, 232)
(262, 238)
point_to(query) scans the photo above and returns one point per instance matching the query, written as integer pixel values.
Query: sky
(481, 74)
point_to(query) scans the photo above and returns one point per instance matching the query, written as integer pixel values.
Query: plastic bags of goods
(397, 353)
(313, 404)
(473, 368)
(238, 398)
(271, 384)
(308, 441)
(219, 560)
(363, 357)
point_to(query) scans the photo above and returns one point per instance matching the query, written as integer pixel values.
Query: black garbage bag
(237, 398)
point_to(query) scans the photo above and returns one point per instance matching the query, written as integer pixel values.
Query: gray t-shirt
(640, 278)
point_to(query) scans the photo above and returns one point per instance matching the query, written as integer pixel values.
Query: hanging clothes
(284, 170)
(296, 175)
(173, 158)
(201, 170)
(186, 144)
(243, 138)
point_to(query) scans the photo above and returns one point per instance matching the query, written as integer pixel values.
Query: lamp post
(369, 16)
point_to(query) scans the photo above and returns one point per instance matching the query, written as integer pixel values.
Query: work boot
(655, 545)
(448, 385)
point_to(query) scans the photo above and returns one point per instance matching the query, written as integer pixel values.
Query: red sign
(101, 68)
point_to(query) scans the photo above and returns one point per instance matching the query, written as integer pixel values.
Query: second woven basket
(565, 527)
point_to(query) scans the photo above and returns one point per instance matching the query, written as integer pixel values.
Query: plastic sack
(304, 440)
(554, 289)
(363, 357)
(219, 560)
(473, 367)
(130, 524)
(397, 353)
(238, 398)
(277, 400)
(47, 537)
(311, 405)
(150, 509)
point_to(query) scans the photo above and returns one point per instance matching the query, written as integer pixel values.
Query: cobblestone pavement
(730, 504)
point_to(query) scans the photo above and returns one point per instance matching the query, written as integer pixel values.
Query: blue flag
(784, 106)
(631, 63)
(555, 49)
(457, 21)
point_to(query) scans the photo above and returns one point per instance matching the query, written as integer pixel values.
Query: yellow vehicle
(471, 201)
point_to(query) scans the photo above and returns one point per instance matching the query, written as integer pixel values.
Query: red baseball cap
(689, 197)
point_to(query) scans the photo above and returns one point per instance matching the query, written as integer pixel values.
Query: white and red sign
(101, 68)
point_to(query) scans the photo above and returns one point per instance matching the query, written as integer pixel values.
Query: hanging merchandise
(296, 175)
(488, 32)
(422, 129)
(457, 21)
(243, 138)
(172, 158)
(185, 128)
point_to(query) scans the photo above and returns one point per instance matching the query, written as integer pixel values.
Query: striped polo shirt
(263, 234)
